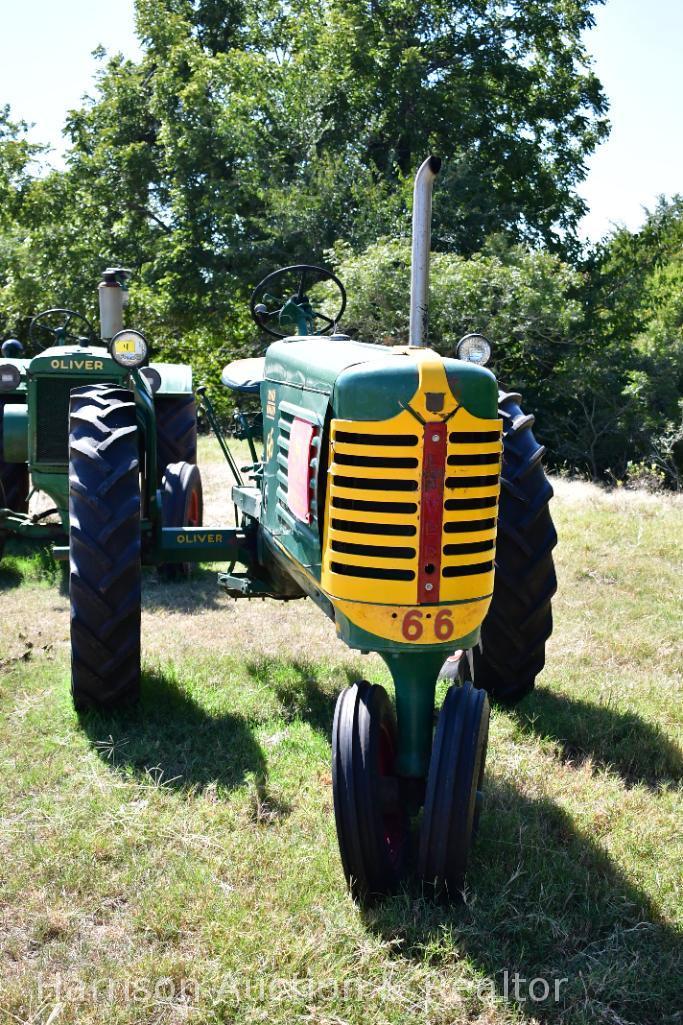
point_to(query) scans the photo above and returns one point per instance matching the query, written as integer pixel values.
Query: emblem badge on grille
(434, 401)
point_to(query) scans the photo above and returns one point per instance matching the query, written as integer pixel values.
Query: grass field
(179, 862)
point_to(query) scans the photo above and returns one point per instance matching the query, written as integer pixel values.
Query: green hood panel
(314, 362)
(379, 390)
(370, 382)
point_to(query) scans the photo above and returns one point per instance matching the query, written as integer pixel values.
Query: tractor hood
(176, 379)
(369, 382)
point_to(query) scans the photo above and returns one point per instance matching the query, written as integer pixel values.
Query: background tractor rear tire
(520, 619)
(104, 547)
(182, 505)
(14, 479)
(176, 431)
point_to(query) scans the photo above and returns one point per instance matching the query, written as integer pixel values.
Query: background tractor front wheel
(104, 547)
(520, 620)
(372, 827)
(182, 505)
(456, 772)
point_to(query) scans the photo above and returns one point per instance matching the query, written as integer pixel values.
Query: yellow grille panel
(374, 509)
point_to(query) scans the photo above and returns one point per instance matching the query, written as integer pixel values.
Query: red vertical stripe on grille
(431, 515)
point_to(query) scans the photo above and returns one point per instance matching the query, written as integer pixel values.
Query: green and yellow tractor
(398, 489)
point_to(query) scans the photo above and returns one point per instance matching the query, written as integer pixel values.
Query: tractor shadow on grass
(618, 740)
(301, 692)
(541, 899)
(170, 739)
(197, 593)
(23, 562)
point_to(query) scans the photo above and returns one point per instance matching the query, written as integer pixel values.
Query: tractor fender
(176, 378)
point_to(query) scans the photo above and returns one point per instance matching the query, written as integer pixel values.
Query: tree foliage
(254, 134)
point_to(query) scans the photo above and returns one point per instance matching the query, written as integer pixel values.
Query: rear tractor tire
(176, 417)
(182, 505)
(104, 547)
(519, 621)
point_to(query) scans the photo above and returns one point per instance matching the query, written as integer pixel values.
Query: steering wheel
(292, 300)
(53, 327)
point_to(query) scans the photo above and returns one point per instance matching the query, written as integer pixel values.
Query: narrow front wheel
(372, 827)
(454, 783)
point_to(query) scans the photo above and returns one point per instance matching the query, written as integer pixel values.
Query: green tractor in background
(397, 489)
(67, 353)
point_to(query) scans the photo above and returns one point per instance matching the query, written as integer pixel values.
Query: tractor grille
(284, 431)
(470, 507)
(52, 416)
(411, 515)
(294, 461)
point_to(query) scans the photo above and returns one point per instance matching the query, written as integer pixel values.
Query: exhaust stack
(113, 296)
(422, 244)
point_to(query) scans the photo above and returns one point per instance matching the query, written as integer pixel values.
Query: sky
(46, 66)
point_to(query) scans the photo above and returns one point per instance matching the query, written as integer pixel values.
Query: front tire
(372, 827)
(520, 620)
(456, 772)
(104, 547)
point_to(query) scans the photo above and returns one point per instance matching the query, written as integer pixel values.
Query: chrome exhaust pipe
(422, 244)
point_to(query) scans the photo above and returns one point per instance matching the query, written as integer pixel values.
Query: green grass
(193, 838)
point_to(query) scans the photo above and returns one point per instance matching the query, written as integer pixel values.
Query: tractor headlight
(10, 377)
(475, 349)
(129, 348)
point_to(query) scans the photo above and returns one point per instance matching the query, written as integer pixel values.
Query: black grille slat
(377, 462)
(390, 529)
(379, 507)
(466, 526)
(453, 504)
(469, 548)
(365, 484)
(372, 572)
(389, 440)
(467, 571)
(375, 551)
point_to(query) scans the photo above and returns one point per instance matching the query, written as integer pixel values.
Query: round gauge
(129, 348)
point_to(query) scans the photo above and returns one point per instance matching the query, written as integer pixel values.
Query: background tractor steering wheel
(299, 300)
(54, 327)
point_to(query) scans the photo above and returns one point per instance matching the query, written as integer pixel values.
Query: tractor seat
(244, 375)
